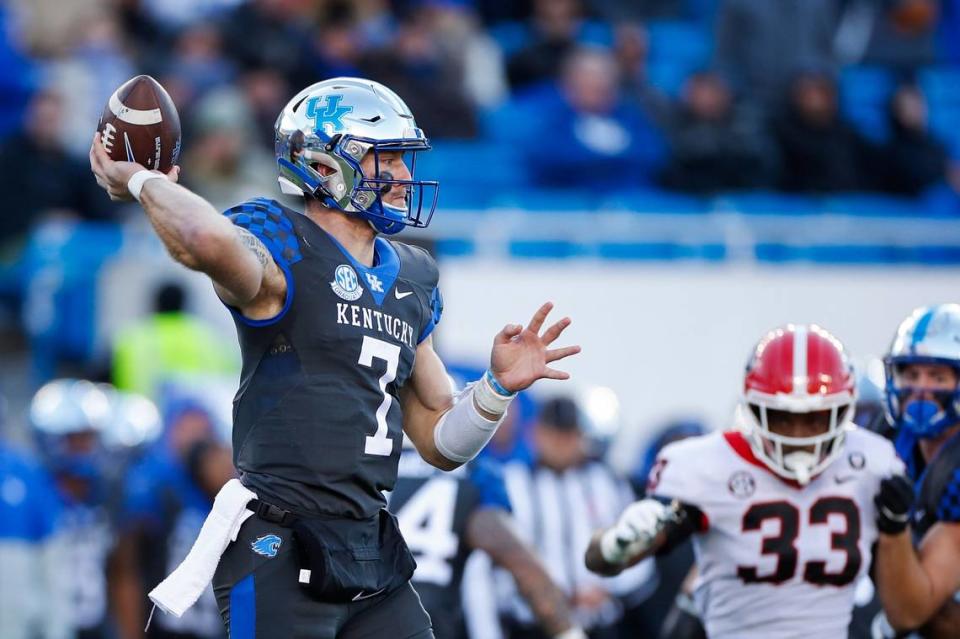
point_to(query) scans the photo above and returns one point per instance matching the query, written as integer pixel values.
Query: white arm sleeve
(462, 431)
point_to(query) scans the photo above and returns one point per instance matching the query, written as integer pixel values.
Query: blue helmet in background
(68, 418)
(930, 335)
(334, 124)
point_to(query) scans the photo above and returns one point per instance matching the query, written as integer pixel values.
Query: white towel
(183, 586)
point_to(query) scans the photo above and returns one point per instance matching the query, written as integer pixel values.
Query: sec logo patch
(346, 284)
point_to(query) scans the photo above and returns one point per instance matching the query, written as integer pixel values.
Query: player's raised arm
(192, 230)
(449, 431)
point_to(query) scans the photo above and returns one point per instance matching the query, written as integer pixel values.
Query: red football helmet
(798, 368)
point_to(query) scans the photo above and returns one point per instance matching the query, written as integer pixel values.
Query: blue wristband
(496, 386)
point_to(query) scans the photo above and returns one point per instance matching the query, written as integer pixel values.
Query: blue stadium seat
(681, 42)
(864, 94)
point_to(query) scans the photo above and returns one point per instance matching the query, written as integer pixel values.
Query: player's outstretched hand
(112, 176)
(635, 530)
(520, 355)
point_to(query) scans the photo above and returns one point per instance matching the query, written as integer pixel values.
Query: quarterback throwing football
(782, 511)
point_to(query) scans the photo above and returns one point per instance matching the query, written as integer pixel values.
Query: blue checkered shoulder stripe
(265, 219)
(949, 508)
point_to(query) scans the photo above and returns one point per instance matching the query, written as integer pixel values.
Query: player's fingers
(509, 332)
(537, 320)
(174, 174)
(559, 353)
(554, 331)
(550, 373)
(95, 163)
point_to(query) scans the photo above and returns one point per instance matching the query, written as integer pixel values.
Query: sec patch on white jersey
(776, 560)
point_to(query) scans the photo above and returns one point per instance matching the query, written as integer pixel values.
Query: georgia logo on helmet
(335, 123)
(930, 335)
(798, 368)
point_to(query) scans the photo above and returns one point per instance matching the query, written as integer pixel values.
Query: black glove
(893, 504)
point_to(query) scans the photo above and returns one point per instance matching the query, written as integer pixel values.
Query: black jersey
(317, 418)
(433, 509)
(937, 483)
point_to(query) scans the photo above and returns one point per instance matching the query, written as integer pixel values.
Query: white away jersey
(776, 560)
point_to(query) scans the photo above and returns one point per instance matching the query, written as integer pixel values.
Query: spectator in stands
(913, 159)
(43, 179)
(554, 28)
(900, 34)
(427, 79)
(197, 66)
(715, 143)
(585, 136)
(221, 164)
(268, 34)
(762, 43)
(631, 49)
(169, 346)
(819, 151)
(336, 45)
(556, 502)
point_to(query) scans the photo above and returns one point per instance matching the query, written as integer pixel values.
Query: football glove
(894, 502)
(635, 530)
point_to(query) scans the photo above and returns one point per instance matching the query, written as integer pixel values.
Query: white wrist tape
(488, 397)
(572, 633)
(462, 432)
(138, 179)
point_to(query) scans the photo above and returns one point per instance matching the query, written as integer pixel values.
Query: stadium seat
(681, 42)
(864, 94)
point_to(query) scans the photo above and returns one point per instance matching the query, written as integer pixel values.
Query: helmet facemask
(925, 418)
(792, 457)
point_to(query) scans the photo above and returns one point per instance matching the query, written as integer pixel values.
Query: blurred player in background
(446, 516)
(167, 495)
(335, 331)
(782, 515)
(34, 596)
(918, 587)
(68, 417)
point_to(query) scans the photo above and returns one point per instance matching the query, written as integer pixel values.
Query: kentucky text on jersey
(367, 318)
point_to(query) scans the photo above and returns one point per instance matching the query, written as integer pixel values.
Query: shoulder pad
(267, 220)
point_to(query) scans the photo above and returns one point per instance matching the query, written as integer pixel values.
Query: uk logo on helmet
(346, 284)
(267, 545)
(330, 118)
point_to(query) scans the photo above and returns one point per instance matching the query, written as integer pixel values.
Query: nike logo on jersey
(360, 596)
(844, 479)
(399, 295)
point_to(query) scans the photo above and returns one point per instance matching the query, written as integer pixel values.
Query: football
(140, 124)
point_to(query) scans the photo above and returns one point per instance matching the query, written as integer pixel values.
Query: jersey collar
(380, 277)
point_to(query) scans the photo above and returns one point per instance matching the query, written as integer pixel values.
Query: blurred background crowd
(548, 114)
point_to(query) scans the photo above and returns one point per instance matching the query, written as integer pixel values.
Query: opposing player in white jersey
(781, 510)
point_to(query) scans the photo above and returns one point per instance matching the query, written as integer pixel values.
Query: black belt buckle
(271, 513)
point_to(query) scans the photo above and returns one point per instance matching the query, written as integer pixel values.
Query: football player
(335, 331)
(446, 516)
(781, 511)
(67, 417)
(918, 587)
(164, 506)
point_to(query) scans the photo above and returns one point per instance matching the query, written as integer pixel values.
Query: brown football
(140, 124)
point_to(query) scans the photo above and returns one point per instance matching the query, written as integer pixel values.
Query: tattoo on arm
(253, 243)
(491, 531)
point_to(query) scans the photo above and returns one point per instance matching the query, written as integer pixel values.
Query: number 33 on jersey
(776, 559)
